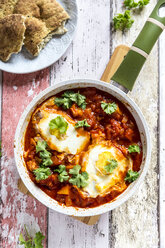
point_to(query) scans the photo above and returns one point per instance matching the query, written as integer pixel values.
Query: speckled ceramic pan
(19, 141)
(125, 76)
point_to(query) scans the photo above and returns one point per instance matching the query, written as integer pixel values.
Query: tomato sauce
(119, 127)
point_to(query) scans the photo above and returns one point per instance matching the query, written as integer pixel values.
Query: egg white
(100, 183)
(73, 141)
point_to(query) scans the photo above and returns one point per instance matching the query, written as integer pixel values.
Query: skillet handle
(131, 66)
(114, 63)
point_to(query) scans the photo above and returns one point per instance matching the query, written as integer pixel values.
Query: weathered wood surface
(161, 147)
(18, 209)
(136, 223)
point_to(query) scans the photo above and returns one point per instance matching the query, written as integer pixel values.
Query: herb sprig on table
(131, 4)
(30, 242)
(124, 21)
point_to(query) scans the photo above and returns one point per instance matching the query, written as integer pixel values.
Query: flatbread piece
(12, 30)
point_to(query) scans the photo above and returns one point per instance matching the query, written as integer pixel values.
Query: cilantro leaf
(111, 165)
(45, 154)
(31, 243)
(26, 243)
(38, 240)
(47, 162)
(109, 108)
(75, 171)
(82, 123)
(63, 176)
(58, 126)
(68, 98)
(80, 180)
(134, 148)
(66, 103)
(70, 94)
(80, 100)
(42, 173)
(123, 21)
(131, 4)
(131, 176)
(41, 146)
(60, 169)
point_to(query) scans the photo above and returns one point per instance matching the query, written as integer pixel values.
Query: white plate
(26, 63)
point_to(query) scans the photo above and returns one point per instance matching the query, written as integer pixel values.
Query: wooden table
(140, 222)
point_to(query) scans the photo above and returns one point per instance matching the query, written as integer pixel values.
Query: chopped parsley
(131, 176)
(82, 123)
(78, 179)
(44, 154)
(31, 243)
(58, 126)
(42, 173)
(109, 108)
(41, 146)
(63, 175)
(134, 148)
(68, 98)
(123, 21)
(111, 165)
(131, 4)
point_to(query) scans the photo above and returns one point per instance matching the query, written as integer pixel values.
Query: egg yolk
(102, 162)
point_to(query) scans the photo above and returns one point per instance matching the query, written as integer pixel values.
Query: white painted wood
(135, 224)
(162, 137)
(87, 57)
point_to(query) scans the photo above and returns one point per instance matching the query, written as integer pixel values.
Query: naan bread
(6, 7)
(48, 11)
(36, 35)
(12, 30)
(46, 18)
(53, 14)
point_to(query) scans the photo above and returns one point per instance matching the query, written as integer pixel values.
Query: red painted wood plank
(18, 91)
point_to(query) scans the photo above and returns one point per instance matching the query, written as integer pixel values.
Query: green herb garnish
(31, 243)
(111, 165)
(131, 4)
(123, 21)
(41, 146)
(82, 123)
(134, 148)
(58, 126)
(42, 173)
(68, 98)
(109, 108)
(63, 175)
(44, 154)
(131, 176)
(80, 180)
